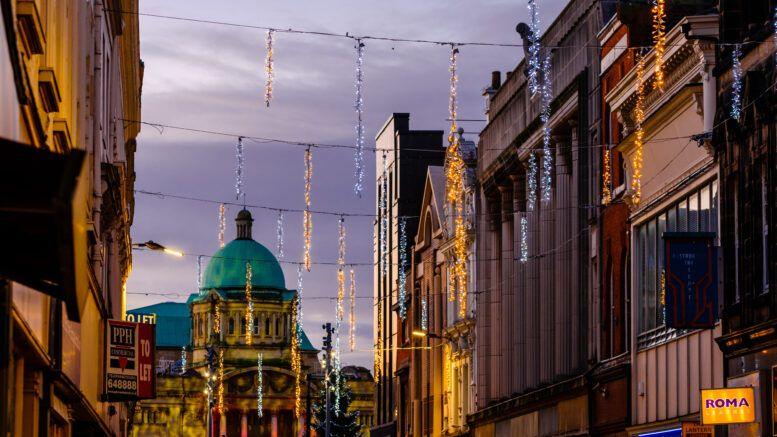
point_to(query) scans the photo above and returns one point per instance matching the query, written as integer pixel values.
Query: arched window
(231, 328)
(256, 325)
(242, 325)
(267, 326)
(277, 325)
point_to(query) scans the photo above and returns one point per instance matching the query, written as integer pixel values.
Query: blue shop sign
(674, 432)
(691, 280)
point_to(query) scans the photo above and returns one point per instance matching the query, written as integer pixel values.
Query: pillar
(532, 326)
(547, 245)
(577, 259)
(244, 424)
(274, 424)
(494, 316)
(563, 286)
(506, 306)
(222, 424)
(517, 334)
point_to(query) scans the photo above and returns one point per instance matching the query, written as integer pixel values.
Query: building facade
(70, 73)
(402, 158)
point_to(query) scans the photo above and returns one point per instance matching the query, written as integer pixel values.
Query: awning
(40, 241)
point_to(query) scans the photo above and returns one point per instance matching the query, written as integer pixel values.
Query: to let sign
(727, 405)
(130, 360)
(691, 280)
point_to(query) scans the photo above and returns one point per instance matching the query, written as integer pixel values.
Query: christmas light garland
(183, 360)
(524, 238)
(359, 106)
(383, 207)
(296, 360)
(222, 223)
(217, 318)
(424, 315)
(340, 269)
(547, 155)
(279, 233)
(240, 162)
(259, 385)
(606, 177)
(662, 299)
(736, 84)
(352, 312)
(307, 218)
(639, 118)
(377, 362)
(534, 47)
(249, 316)
(531, 182)
(659, 40)
(268, 68)
(221, 407)
(199, 274)
(402, 276)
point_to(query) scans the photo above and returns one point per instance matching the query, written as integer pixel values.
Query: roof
(306, 345)
(173, 323)
(437, 180)
(227, 268)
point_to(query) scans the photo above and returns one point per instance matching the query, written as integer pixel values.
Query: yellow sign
(727, 405)
(693, 429)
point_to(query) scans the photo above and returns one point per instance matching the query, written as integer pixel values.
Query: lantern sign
(691, 271)
(129, 372)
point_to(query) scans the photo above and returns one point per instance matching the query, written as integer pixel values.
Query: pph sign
(129, 372)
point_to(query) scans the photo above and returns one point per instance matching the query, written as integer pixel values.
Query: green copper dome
(227, 268)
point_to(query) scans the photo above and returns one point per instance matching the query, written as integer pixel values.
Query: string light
(340, 269)
(221, 408)
(447, 364)
(736, 85)
(307, 219)
(359, 106)
(531, 182)
(659, 39)
(259, 385)
(402, 267)
(534, 47)
(524, 238)
(240, 162)
(547, 156)
(384, 218)
(424, 315)
(268, 68)
(183, 360)
(296, 361)
(199, 274)
(352, 312)
(377, 362)
(449, 283)
(606, 178)
(249, 316)
(662, 299)
(299, 295)
(279, 232)
(217, 318)
(639, 116)
(222, 223)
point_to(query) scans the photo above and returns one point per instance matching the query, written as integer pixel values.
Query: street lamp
(153, 245)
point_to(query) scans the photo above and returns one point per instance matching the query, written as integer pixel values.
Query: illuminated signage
(693, 429)
(141, 318)
(727, 405)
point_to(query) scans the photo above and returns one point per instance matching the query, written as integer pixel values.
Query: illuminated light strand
(449, 283)
(547, 155)
(268, 67)
(222, 223)
(217, 318)
(659, 40)
(606, 177)
(199, 274)
(249, 316)
(534, 47)
(307, 218)
(424, 314)
(352, 311)
(402, 275)
(296, 360)
(337, 368)
(259, 385)
(377, 362)
(300, 287)
(183, 360)
(340, 269)
(662, 298)
(221, 407)
(384, 218)
(447, 368)
(774, 28)
(531, 182)
(639, 134)
(358, 158)
(279, 233)
(239, 164)
(736, 84)
(524, 238)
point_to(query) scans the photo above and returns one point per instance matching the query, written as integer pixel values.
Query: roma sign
(129, 372)
(727, 405)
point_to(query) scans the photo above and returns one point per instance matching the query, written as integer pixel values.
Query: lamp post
(153, 245)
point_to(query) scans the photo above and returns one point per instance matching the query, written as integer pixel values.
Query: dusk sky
(212, 77)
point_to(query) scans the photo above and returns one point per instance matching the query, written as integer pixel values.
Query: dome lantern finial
(244, 222)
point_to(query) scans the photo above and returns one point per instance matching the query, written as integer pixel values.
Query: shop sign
(691, 280)
(727, 405)
(141, 318)
(694, 429)
(130, 360)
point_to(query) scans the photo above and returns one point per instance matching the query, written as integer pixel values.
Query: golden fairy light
(249, 316)
(352, 312)
(340, 269)
(447, 364)
(662, 297)
(268, 68)
(639, 118)
(307, 219)
(296, 360)
(377, 363)
(221, 408)
(659, 39)
(606, 177)
(217, 318)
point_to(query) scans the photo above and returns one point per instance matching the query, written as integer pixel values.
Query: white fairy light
(279, 232)
(249, 315)
(307, 218)
(199, 273)
(222, 223)
(240, 162)
(424, 315)
(402, 267)
(299, 296)
(534, 47)
(359, 106)
(259, 382)
(453, 91)
(547, 158)
(384, 218)
(736, 85)
(340, 269)
(183, 360)
(352, 312)
(531, 182)
(268, 68)
(524, 238)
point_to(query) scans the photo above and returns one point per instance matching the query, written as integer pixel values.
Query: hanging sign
(690, 265)
(129, 372)
(694, 429)
(727, 405)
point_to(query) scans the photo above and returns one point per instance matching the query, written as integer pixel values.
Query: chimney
(243, 222)
(496, 80)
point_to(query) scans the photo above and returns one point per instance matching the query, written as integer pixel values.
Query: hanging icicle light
(298, 321)
(183, 360)
(531, 182)
(659, 41)
(606, 177)
(639, 117)
(259, 385)
(220, 398)
(340, 269)
(222, 223)
(352, 312)
(249, 316)
(384, 221)
(424, 315)
(279, 233)
(402, 267)
(359, 106)
(240, 162)
(450, 283)
(534, 47)
(296, 360)
(524, 238)
(547, 155)
(736, 84)
(199, 274)
(268, 68)
(307, 219)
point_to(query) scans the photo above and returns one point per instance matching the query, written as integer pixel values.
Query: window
(277, 326)
(695, 212)
(256, 325)
(267, 326)
(231, 328)
(242, 326)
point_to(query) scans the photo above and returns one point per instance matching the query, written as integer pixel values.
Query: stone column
(563, 287)
(531, 298)
(578, 260)
(546, 288)
(274, 424)
(518, 308)
(506, 306)
(222, 424)
(494, 301)
(244, 424)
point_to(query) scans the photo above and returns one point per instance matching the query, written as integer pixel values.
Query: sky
(211, 77)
